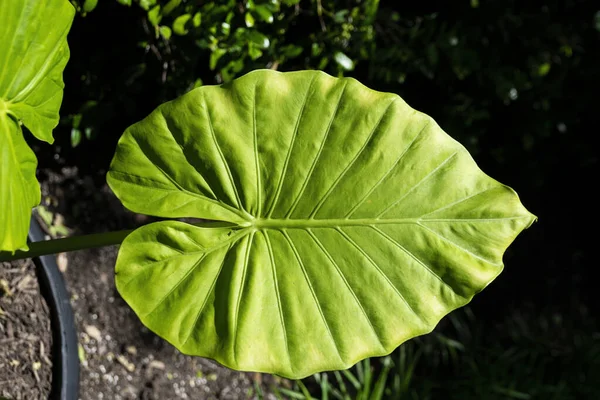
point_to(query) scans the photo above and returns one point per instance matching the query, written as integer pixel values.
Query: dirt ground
(25, 335)
(120, 358)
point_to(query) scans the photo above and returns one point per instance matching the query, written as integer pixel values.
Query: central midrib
(326, 223)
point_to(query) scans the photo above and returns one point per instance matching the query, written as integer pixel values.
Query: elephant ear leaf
(33, 54)
(349, 222)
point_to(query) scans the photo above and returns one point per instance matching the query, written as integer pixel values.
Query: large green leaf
(351, 222)
(33, 54)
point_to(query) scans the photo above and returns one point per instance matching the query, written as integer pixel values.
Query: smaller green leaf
(179, 24)
(323, 63)
(225, 28)
(343, 61)
(543, 69)
(202, 43)
(258, 38)
(316, 49)
(597, 21)
(125, 2)
(88, 105)
(154, 16)
(214, 58)
(75, 137)
(89, 133)
(264, 13)
(197, 83)
(89, 5)
(568, 50)
(254, 53)
(226, 74)
(165, 31)
(379, 388)
(170, 6)
(291, 394)
(324, 382)
(229, 17)
(249, 20)
(81, 353)
(340, 16)
(231, 70)
(292, 51)
(305, 391)
(236, 66)
(353, 379)
(146, 4)
(197, 19)
(76, 120)
(368, 378)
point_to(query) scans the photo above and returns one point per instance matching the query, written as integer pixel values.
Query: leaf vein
(320, 151)
(194, 242)
(183, 278)
(279, 306)
(43, 69)
(223, 161)
(312, 291)
(458, 201)
(232, 239)
(179, 188)
(171, 248)
(145, 266)
(347, 284)
(193, 165)
(387, 279)
(256, 163)
(210, 291)
(474, 220)
(9, 56)
(236, 319)
(11, 148)
(356, 157)
(411, 255)
(459, 247)
(44, 113)
(396, 163)
(291, 146)
(418, 184)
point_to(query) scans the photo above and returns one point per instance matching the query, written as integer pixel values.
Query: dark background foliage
(516, 82)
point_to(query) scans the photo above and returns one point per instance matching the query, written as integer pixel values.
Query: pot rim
(65, 357)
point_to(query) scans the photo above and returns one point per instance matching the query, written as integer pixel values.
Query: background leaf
(344, 61)
(33, 54)
(89, 5)
(179, 26)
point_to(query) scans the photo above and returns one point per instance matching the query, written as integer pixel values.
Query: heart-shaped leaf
(33, 54)
(351, 222)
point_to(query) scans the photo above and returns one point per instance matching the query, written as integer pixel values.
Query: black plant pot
(65, 369)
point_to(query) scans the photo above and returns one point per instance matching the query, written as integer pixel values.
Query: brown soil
(25, 334)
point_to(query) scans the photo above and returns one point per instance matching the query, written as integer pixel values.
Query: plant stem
(73, 243)
(83, 242)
